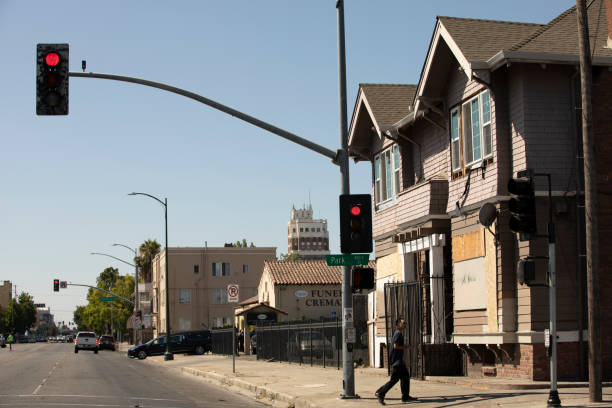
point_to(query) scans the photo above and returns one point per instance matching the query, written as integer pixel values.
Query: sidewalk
(291, 385)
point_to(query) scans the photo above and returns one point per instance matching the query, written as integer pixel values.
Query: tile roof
(389, 102)
(560, 36)
(479, 40)
(314, 272)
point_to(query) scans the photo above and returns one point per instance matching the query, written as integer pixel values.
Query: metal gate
(404, 300)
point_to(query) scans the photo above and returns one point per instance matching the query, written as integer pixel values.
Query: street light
(136, 296)
(168, 355)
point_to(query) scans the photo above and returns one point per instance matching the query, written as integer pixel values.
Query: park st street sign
(347, 259)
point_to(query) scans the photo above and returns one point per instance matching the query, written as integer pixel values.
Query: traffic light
(363, 278)
(56, 285)
(52, 79)
(525, 271)
(522, 207)
(355, 223)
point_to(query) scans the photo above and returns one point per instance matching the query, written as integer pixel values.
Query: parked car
(106, 342)
(86, 341)
(196, 341)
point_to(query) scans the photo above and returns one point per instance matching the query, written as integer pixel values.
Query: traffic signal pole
(348, 374)
(339, 157)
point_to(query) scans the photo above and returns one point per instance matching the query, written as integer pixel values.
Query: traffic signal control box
(355, 223)
(52, 68)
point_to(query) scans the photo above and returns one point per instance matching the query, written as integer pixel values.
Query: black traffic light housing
(522, 207)
(56, 285)
(52, 67)
(355, 223)
(363, 278)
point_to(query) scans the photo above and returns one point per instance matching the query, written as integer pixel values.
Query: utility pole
(590, 206)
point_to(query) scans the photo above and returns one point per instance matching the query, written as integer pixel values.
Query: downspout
(579, 273)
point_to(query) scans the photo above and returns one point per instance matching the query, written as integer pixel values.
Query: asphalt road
(52, 375)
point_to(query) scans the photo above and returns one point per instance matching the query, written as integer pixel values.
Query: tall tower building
(307, 237)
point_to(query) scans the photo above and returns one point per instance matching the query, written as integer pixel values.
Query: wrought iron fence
(221, 340)
(311, 342)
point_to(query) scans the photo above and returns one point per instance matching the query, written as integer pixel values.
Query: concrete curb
(260, 393)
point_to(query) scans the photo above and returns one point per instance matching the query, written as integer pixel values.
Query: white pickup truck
(86, 341)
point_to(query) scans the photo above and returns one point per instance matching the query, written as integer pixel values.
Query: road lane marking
(45, 379)
(90, 396)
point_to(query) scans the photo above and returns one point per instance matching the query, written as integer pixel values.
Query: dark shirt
(396, 356)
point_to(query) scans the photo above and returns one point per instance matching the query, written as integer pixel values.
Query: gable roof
(314, 272)
(560, 36)
(479, 40)
(383, 104)
(388, 102)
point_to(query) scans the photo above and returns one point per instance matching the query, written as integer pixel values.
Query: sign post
(233, 291)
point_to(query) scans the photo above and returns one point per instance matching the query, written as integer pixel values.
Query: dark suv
(106, 342)
(197, 342)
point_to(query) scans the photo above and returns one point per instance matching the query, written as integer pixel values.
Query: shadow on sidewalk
(458, 400)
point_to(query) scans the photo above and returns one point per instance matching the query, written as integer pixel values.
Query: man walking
(10, 341)
(399, 372)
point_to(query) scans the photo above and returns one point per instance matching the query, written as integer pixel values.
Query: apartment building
(198, 281)
(494, 98)
(307, 237)
(6, 293)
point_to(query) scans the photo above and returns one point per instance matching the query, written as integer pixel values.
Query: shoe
(409, 399)
(381, 398)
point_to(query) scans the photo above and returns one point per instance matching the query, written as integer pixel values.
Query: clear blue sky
(64, 180)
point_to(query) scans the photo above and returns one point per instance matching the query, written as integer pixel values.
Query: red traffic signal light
(56, 285)
(52, 71)
(355, 223)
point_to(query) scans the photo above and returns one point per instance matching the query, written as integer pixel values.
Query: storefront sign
(324, 297)
(301, 293)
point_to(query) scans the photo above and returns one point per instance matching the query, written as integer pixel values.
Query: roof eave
(505, 56)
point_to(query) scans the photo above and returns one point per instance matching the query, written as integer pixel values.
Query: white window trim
(481, 125)
(395, 167)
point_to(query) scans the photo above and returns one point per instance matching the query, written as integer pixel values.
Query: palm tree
(147, 252)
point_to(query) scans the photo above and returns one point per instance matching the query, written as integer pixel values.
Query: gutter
(505, 57)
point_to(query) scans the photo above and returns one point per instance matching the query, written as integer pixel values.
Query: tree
(144, 260)
(20, 314)
(243, 244)
(107, 278)
(294, 256)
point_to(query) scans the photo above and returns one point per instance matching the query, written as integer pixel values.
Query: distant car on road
(106, 342)
(86, 341)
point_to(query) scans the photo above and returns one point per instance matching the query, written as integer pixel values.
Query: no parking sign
(232, 293)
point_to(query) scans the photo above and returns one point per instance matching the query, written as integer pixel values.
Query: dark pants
(398, 373)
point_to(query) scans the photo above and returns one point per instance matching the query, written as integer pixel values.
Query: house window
(219, 296)
(196, 268)
(475, 122)
(455, 146)
(301, 229)
(245, 268)
(387, 174)
(184, 296)
(184, 323)
(220, 269)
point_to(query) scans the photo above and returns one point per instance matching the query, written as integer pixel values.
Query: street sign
(107, 298)
(232, 293)
(350, 334)
(347, 259)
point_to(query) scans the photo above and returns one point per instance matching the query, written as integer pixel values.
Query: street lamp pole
(168, 355)
(138, 331)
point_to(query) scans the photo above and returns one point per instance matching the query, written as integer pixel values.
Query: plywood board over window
(469, 284)
(468, 246)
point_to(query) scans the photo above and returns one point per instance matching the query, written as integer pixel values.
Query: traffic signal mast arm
(333, 155)
(103, 290)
